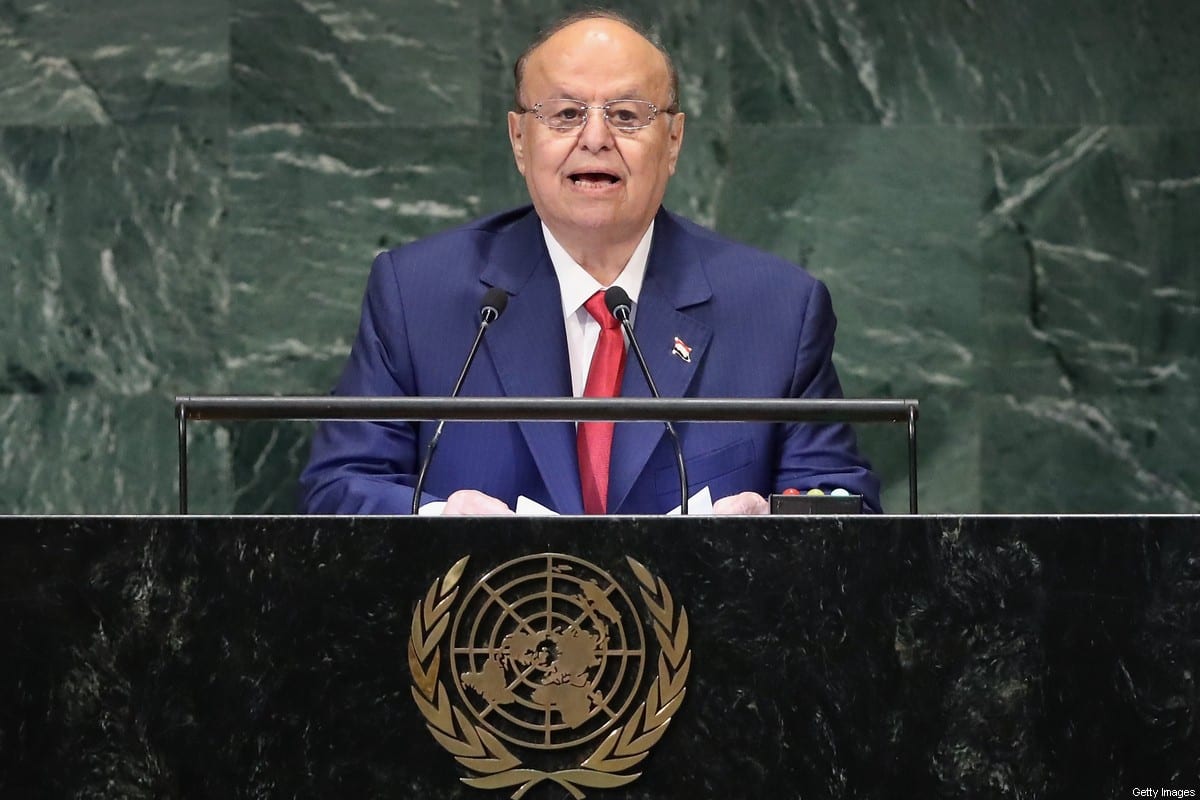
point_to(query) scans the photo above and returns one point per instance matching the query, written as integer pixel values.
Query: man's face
(596, 180)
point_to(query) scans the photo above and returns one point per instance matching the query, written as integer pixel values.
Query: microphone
(495, 300)
(620, 306)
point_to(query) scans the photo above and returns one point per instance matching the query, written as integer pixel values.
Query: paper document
(699, 505)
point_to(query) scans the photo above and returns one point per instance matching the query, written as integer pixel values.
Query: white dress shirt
(576, 286)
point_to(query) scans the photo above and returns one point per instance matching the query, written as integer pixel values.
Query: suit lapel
(675, 280)
(529, 350)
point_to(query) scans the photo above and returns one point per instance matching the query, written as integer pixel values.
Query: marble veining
(889, 657)
(1001, 197)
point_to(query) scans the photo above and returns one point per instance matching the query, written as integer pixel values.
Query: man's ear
(516, 138)
(675, 140)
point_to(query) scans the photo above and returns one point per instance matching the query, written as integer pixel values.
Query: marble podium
(837, 657)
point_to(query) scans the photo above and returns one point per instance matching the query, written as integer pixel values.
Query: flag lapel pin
(682, 350)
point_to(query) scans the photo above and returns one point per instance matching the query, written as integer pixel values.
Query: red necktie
(594, 439)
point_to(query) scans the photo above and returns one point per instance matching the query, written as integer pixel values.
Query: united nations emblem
(547, 656)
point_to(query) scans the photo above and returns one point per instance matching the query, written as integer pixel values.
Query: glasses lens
(625, 115)
(562, 113)
(630, 114)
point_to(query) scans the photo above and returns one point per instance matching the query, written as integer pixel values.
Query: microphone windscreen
(618, 302)
(495, 300)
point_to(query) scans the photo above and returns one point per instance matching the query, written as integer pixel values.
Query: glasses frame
(536, 110)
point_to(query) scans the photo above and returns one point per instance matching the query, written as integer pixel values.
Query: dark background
(876, 658)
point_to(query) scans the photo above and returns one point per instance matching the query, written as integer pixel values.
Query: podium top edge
(314, 408)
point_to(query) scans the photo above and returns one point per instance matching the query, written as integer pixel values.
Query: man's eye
(624, 115)
(567, 114)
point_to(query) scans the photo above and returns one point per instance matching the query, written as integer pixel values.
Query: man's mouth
(588, 180)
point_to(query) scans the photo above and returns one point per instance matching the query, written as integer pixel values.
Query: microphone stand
(619, 305)
(493, 305)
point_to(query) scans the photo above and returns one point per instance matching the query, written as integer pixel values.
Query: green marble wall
(1003, 195)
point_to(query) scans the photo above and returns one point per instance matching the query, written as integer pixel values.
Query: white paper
(532, 508)
(699, 505)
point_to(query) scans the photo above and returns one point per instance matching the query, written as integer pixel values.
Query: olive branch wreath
(480, 751)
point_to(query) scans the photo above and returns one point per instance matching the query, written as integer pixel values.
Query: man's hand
(470, 503)
(744, 503)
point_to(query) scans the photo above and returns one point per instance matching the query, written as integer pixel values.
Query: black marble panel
(883, 657)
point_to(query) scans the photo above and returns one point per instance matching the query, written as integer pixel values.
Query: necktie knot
(596, 307)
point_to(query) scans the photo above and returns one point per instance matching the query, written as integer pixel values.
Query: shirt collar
(576, 285)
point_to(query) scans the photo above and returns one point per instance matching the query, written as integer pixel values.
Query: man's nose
(596, 134)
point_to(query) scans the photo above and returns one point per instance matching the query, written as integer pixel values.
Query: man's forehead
(598, 51)
(577, 91)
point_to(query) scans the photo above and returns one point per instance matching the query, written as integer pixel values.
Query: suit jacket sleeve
(369, 467)
(822, 455)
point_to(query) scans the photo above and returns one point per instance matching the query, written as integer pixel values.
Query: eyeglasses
(562, 114)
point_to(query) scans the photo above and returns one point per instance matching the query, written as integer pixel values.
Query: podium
(843, 657)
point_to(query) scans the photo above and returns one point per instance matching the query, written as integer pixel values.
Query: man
(596, 133)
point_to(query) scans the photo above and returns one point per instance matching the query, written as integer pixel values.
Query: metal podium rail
(543, 409)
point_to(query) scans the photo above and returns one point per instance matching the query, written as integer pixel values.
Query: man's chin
(592, 216)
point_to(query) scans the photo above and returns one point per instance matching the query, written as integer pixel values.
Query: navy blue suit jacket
(758, 326)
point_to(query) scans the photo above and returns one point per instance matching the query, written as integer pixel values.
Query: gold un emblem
(547, 656)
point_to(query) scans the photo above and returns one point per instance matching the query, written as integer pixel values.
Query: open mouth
(592, 179)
